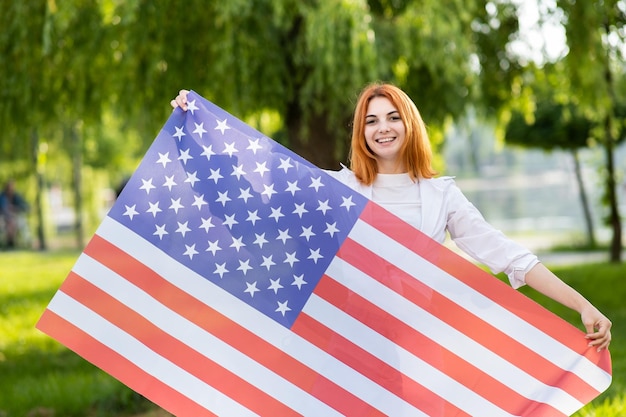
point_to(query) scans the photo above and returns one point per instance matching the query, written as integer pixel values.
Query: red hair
(416, 153)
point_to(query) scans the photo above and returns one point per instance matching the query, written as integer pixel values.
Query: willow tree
(303, 60)
(595, 63)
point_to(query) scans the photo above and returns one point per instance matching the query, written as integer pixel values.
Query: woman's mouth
(385, 140)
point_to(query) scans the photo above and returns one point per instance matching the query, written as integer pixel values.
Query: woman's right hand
(180, 100)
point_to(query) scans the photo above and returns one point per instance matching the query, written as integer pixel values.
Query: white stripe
(402, 360)
(144, 358)
(451, 339)
(473, 301)
(199, 339)
(246, 316)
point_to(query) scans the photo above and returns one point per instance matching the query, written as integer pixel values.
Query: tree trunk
(77, 180)
(311, 138)
(614, 220)
(591, 240)
(39, 178)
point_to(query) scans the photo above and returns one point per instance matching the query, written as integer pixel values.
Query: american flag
(234, 278)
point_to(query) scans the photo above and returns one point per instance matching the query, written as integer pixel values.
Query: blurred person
(12, 208)
(390, 163)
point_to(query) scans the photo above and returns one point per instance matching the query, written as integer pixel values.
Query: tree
(556, 126)
(594, 62)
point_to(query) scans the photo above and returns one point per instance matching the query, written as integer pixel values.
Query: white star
(244, 266)
(268, 190)
(221, 126)
(163, 159)
(253, 217)
(169, 182)
(275, 285)
(276, 213)
(282, 308)
(130, 211)
(300, 210)
(213, 247)
(261, 168)
(223, 198)
(230, 149)
(215, 175)
(199, 129)
(206, 224)
(179, 132)
(285, 164)
(154, 209)
(199, 201)
(292, 187)
(331, 229)
(184, 156)
(230, 221)
(160, 231)
(183, 228)
(283, 235)
(251, 288)
(237, 243)
(260, 240)
(299, 281)
(315, 255)
(147, 185)
(323, 206)
(192, 178)
(191, 106)
(316, 183)
(220, 269)
(238, 171)
(347, 203)
(254, 145)
(307, 232)
(176, 205)
(291, 259)
(267, 262)
(245, 194)
(208, 152)
(191, 250)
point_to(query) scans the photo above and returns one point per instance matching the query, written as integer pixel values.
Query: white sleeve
(472, 234)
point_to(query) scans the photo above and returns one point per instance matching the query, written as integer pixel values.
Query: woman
(390, 163)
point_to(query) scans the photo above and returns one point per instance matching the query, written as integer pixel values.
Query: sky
(539, 39)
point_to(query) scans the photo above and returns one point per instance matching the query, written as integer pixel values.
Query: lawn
(39, 377)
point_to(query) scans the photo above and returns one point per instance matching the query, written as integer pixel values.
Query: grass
(39, 377)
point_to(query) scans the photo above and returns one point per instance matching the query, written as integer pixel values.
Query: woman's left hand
(598, 327)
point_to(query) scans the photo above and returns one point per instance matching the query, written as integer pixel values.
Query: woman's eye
(395, 118)
(370, 121)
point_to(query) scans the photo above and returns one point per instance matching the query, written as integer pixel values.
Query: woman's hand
(180, 100)
(598, 327)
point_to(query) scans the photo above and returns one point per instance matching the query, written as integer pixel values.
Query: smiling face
(385, 135)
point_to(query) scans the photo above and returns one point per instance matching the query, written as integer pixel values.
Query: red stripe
(421, 346)
(374, 369)
(483, 282)
(119, 367)
(230, 332)
(464, 321)
(170, 348)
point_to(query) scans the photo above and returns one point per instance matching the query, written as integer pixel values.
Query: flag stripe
(248, 318)
(465, 322)
(375, 369)
(415, 343)
(137, 353)
(522, 325)
(244, 341)
(177, 352)
(123, 369)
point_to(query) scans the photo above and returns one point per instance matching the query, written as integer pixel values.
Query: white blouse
(441, 207)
